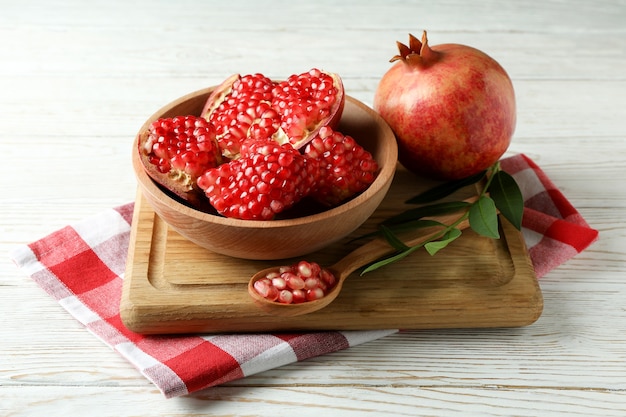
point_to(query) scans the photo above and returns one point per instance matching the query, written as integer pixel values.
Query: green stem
(492, 170)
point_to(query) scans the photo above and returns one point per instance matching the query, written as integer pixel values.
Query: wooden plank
(174, 286)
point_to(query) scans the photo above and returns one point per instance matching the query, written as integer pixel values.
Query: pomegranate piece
(346, 167)
(176, 151)
(267, 179)
(266, 289)
(290, 111)
(313, 283)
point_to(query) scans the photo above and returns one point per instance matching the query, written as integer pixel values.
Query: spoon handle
(379, 247)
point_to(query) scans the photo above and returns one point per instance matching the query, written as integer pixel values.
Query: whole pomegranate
(451, 107)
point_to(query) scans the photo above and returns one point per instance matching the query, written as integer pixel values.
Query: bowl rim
(385, 174)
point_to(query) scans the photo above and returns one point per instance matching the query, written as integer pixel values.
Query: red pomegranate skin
(452, 110)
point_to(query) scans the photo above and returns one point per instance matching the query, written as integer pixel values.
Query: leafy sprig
(499, 192)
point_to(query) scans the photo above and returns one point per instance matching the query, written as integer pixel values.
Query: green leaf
(412, 225)
(445, 189)
(508, 198)
(435, 246)
(391, 259)
(392, 239)
(425, 211)
(483, 217)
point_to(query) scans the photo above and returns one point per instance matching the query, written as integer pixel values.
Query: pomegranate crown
(417, 52)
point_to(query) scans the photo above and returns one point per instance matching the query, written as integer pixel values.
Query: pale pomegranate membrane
(298, 283)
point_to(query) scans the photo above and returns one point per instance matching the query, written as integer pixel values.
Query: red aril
(451, 107)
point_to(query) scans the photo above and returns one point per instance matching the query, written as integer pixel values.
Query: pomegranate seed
(265, 288)
(285, 297)
(311, 283)
(315, 269)
(304, 269)
(314, 294)
(299, 296)
(279, 283)
(328, 277)
(295, 282)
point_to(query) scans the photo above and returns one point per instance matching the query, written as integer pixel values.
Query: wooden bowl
(280, 238)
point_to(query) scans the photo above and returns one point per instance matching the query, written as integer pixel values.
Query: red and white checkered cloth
(82, 267)
(553, 229)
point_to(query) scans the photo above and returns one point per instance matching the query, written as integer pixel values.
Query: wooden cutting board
(173, 286)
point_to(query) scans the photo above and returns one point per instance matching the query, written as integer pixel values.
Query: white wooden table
(77, 79)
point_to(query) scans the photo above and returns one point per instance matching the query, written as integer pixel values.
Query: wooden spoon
(361, 256)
